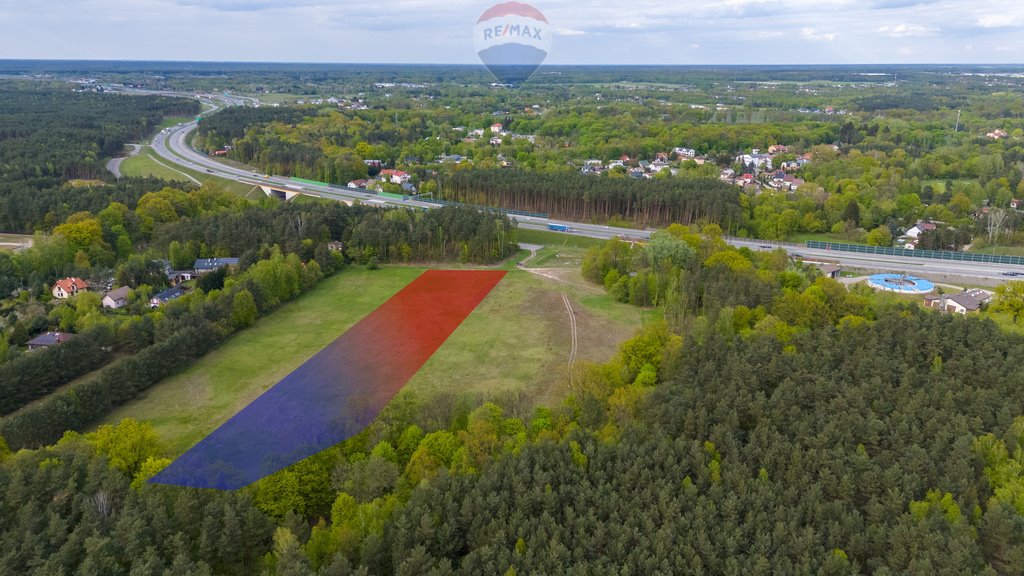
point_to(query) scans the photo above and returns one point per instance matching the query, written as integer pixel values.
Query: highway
(171, 145)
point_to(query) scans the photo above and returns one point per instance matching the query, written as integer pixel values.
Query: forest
(887, 447)
(580, 198)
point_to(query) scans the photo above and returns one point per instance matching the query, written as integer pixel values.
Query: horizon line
(478, 64)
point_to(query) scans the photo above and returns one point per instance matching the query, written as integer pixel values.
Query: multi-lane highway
(171, 145)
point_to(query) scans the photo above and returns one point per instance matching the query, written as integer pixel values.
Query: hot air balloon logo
(512, 39)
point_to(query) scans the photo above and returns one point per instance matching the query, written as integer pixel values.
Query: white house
(916, 230)
(755, 158)
(395, 176)
(960, 303)
(116, 298)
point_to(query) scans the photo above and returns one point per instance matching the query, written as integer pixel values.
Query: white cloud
(596, 31)
(907, 30)
(812, 34)
(998, 21)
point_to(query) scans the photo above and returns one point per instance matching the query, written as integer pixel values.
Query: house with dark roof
(175, 277)
(830, 270)
(165, 296)
(69, 287)
(204, 265)
(117, 298)
(48, 339)
(960, 303)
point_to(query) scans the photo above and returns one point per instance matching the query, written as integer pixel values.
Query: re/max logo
(511, 30)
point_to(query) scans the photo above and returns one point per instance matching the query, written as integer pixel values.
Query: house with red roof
(69, 287)
(395, 176)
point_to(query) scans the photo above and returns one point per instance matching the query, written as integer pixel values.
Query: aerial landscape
(331, 289)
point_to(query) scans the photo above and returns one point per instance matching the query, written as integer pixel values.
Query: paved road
(171, 145)
(114, 164)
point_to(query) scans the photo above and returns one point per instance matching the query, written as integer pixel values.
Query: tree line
(578, 197)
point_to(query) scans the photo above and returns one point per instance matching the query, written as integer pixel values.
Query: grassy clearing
(1005, 321)
(518, 338)
(1000, 250)
(556, 239)
(823, 237)
(188, 406)
(145, 163)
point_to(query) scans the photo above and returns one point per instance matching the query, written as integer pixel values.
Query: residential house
(756, 159)
(336, 246)
(997, 134)
(204, 265)
(782, 181)
(48, 339)
(176, 277)
(69, 287)
(1015, 204)
(372, 163)
(959, 303)
(117, 298)
(394, 176)
(496, 128)
(361, 183)
(165, 296)
(777, 149)
(829, 270)
(918, 228)
(684, 152)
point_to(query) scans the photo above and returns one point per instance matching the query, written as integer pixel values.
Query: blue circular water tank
(901, 283)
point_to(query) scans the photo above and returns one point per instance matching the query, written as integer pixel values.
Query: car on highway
(764, 247)
(1011, 273)
(210, 171)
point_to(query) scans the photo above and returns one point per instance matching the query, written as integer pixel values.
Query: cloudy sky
(587, 31)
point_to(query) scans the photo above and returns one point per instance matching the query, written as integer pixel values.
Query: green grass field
(1000, 250)
(146, 163)
(186, 407)
(557, 238)
(823, 237)
(517, 339)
